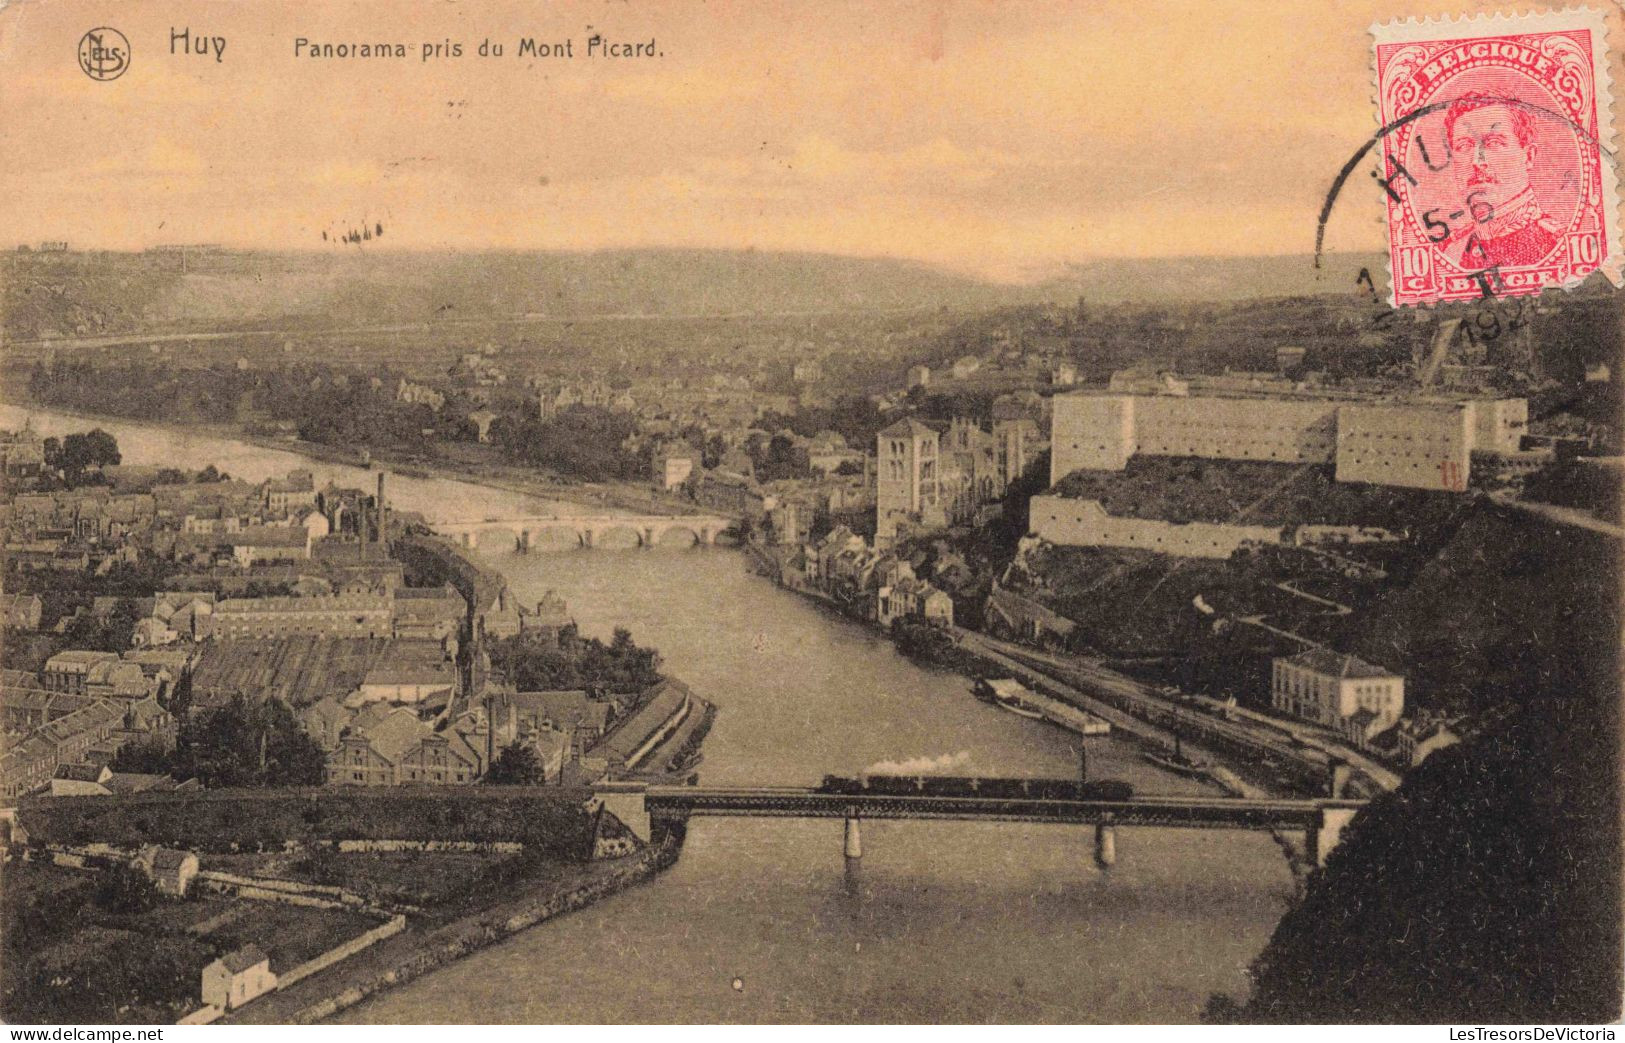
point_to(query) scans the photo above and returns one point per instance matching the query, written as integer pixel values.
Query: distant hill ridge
(63, 292)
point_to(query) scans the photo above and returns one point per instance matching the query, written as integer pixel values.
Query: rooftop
(239, 960)
(1327, 663)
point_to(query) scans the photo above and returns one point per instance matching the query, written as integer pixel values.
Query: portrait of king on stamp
(1496, 155)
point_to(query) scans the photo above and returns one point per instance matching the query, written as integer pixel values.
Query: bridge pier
(853, 846)
(1106, 842)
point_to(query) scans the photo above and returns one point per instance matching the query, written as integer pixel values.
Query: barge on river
(1009, 694)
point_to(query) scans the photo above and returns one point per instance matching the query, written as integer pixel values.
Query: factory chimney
(381, 511)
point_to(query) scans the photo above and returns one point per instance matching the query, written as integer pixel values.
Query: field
(414, 878)
(73, 954)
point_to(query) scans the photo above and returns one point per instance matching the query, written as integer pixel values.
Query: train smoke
(920, 765)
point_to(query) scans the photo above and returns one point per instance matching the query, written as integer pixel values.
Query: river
(947, 922)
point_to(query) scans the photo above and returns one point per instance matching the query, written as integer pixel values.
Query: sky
(1000, 139)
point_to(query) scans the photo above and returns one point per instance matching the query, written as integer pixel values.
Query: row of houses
(92, 732)
(880, 586)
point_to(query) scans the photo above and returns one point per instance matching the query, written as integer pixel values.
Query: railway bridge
(647, 810)
(589, 530)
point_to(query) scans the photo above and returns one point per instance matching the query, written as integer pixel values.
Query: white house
(170, 870)
(1338, 691)
(237, 977)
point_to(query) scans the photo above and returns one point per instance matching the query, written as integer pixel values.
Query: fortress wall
(1237, 428)
(1419, 445)
(1422, 446)
(1084, 523)
(1500, 424)
(1101, 432)
(1093, 432)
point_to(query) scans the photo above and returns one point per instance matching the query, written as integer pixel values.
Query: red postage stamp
(1495, 154)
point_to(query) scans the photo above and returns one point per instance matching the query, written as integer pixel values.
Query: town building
(22, 453)
(339, 615)
(95, 729)
(21, 611)
(663, 711)
(429, 613)
(324, 721)
(171, 870)
(70, 671)
(444, 758)
(283, 496)
(549, 621)
(409, 671)
(1338, 691)
(916, 599)
(237, 977)
(908, 491)
(572, 713)
(373, 750)
(297, 671)
(419, 394)
(1419, 738)
(673, 464)
(926, 479)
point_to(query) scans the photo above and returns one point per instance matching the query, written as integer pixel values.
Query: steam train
(952, 786)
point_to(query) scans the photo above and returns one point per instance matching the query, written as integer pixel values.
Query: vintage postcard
(918, 512)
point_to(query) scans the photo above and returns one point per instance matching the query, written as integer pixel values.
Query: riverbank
(414, 953)
(489, 474)
(970, 647)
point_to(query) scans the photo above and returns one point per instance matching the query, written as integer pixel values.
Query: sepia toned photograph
(780, 512)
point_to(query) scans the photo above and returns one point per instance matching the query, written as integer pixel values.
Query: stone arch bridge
(590, 530)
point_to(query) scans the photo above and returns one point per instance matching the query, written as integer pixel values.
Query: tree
(125, 889)
(517, 765)
(94, 448)
(145, 757)
(246, 743)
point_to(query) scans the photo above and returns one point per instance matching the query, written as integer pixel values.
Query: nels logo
(104, 54)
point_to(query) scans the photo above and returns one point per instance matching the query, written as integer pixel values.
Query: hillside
(100, 293)
(107, 293)
(1486, 888)
(1141, 280)
(1499, 609)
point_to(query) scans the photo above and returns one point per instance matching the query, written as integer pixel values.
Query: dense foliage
(517, 765)
(247, 743)
(87, 952)
(582, 441)
(535, 664)
(1486, 888)
(549, 818)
